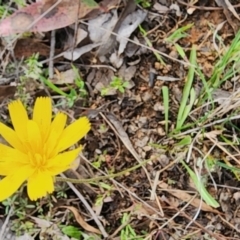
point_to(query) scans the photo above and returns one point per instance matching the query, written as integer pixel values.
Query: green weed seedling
(73, 95)
(128, 233)
(33, 68)
(79, 83)
(76, 234)
(143, 3)
(117, 83)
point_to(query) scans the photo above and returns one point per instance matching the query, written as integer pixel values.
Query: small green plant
(100, 159)
(79, 83)
(73, 94)
(21, 208)
(128, 233)
(117, 83)
(33, 68)
(144, 3)
(75, 233)
(72, 231)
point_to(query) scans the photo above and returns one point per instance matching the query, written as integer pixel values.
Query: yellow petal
(39, 185)
(8, 168)
(63, 161)
(42, 115)
(11, 154)
(11, 183)
(34, 136)
(73, 133)
(11, 137)
(11, 160)
(56, 130)
(19, 118)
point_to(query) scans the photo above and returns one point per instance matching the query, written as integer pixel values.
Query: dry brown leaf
(26, 47)
(81, 221)
(7, 92)
(187, 197)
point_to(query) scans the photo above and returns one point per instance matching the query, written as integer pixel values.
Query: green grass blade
(187, 89)
(201, 188)
(165, 92)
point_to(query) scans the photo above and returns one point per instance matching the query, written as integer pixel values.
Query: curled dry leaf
(81, 221)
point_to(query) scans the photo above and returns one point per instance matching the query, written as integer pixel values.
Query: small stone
(158, 107)
(146, 96)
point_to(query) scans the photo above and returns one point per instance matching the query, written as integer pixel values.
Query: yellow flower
(37, 144)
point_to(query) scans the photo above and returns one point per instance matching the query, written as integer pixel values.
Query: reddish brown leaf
(27, 46)
(64, 14)
(7, 92)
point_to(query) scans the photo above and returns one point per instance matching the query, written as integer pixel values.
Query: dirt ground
(162, 156)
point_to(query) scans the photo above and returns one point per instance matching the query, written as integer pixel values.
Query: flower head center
(37, 160)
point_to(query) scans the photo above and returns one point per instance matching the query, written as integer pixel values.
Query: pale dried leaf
(128, 26)
(160, 8)
(100, 28)
(78, 52)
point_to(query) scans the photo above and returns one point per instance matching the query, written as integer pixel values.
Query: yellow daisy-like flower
(37, 144)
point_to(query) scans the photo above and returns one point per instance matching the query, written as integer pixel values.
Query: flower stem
(92, 180)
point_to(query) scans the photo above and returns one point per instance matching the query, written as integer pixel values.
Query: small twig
(4, 226)
(178, 212)
(207, 125)
(85, 203)
(51, 55)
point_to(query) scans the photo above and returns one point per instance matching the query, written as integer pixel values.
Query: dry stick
(127, 190)
(125, 140)
(203, 229)
(4, 226)
(178, 212)
(222, 148)
(82, 199)
(51, 55)
(207, 125)
(229, 223)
